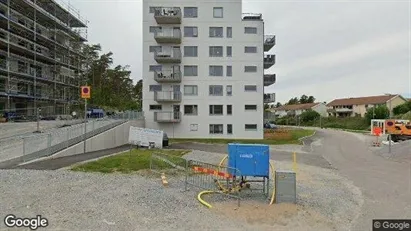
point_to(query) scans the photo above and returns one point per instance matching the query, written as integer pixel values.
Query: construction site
(41, 59)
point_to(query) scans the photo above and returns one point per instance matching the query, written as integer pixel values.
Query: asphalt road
(385, 183)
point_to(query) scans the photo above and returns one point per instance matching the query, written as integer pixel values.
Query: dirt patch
(278, 216)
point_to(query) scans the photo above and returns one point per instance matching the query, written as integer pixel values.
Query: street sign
(85, 92)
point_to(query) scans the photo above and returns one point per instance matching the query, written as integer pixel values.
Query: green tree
(303, 99)
(311, 99)
(402, 108)
(309, 116)
(379, 112)
(111, 87)
(278, 104)
(294, 100)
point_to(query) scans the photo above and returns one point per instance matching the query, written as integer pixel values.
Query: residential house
(349, 107)
(298, 109)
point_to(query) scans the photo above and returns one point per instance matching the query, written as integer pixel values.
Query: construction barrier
(205, 176)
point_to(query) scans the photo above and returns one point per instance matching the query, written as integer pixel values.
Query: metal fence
(17, 150)
(221, 179)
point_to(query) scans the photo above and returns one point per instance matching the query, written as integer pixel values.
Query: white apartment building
(203, 69)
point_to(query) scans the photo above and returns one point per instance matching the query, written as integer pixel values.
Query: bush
(402, 108)
(379, 112)
(309, 116)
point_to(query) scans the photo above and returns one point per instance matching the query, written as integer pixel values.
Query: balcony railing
(167, 117)
(167, 96)
(269, 61)
(252, 16)
(168, 15)
(168, 35)
(269, 42)
(168, 76)
(343, 110)
(269, 79)
(168, 56)
(269, 98)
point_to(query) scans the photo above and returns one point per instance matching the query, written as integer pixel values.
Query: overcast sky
(329, 49)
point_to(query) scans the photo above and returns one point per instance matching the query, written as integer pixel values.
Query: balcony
(168, 56)
(269, 98)
(168, 76)
(168, 15)
(251, 16)
(269, 79)
(167, 117)
(167, 96)
(269, 42)
(269, 61)
(343, 110)
(168, 35)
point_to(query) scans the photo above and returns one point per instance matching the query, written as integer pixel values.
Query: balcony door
(176, 112)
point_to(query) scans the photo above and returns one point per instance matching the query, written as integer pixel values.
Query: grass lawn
(273, 137)
(137, 159)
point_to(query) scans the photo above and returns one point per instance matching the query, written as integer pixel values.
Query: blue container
(250, 159)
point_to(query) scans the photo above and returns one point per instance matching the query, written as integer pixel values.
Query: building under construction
(40, 56)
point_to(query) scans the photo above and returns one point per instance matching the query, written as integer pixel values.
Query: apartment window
(218, 12)
(215, 90)
(216, 70)
(155, 68)
(250, 127)
(250, 69)
(250, 88)
(229, 129)
(229, 71)
(190, 109)
(193, 127)
(229, 109)
(216, 109)
(250, 49)
(155, 88)
(229, 32)
(190, 71)
(216, 129)
(248, 107)
(229, 90)
(216, 32)
(190, 31)
(155, 107)
(155, 49)
(190, 90)
(250, 30)
(154, 29)
(216, 51)
(229, 51)
(190, 51)
(190, 12)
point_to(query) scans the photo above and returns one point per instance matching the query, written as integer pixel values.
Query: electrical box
(250, 159)
(285, 187)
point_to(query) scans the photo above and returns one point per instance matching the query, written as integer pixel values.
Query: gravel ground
(15, 146)
(84, 201)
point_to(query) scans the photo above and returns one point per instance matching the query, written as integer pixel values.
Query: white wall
(232, 18)
(321, 108)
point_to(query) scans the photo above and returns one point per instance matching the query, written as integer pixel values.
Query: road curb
(301, 139)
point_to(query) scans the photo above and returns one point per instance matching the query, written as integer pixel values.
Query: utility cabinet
(285, 187)
(250, 159)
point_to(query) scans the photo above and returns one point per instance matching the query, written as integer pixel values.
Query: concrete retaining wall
(112, 138)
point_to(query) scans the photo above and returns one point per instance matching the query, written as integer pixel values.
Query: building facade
(40, 56)
(203, 69)
(351, 107)
(298, 109)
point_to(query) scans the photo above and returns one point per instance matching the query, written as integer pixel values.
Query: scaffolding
(41, 59)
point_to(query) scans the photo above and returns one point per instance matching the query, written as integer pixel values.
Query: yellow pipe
(273, 195)
(202, 201)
